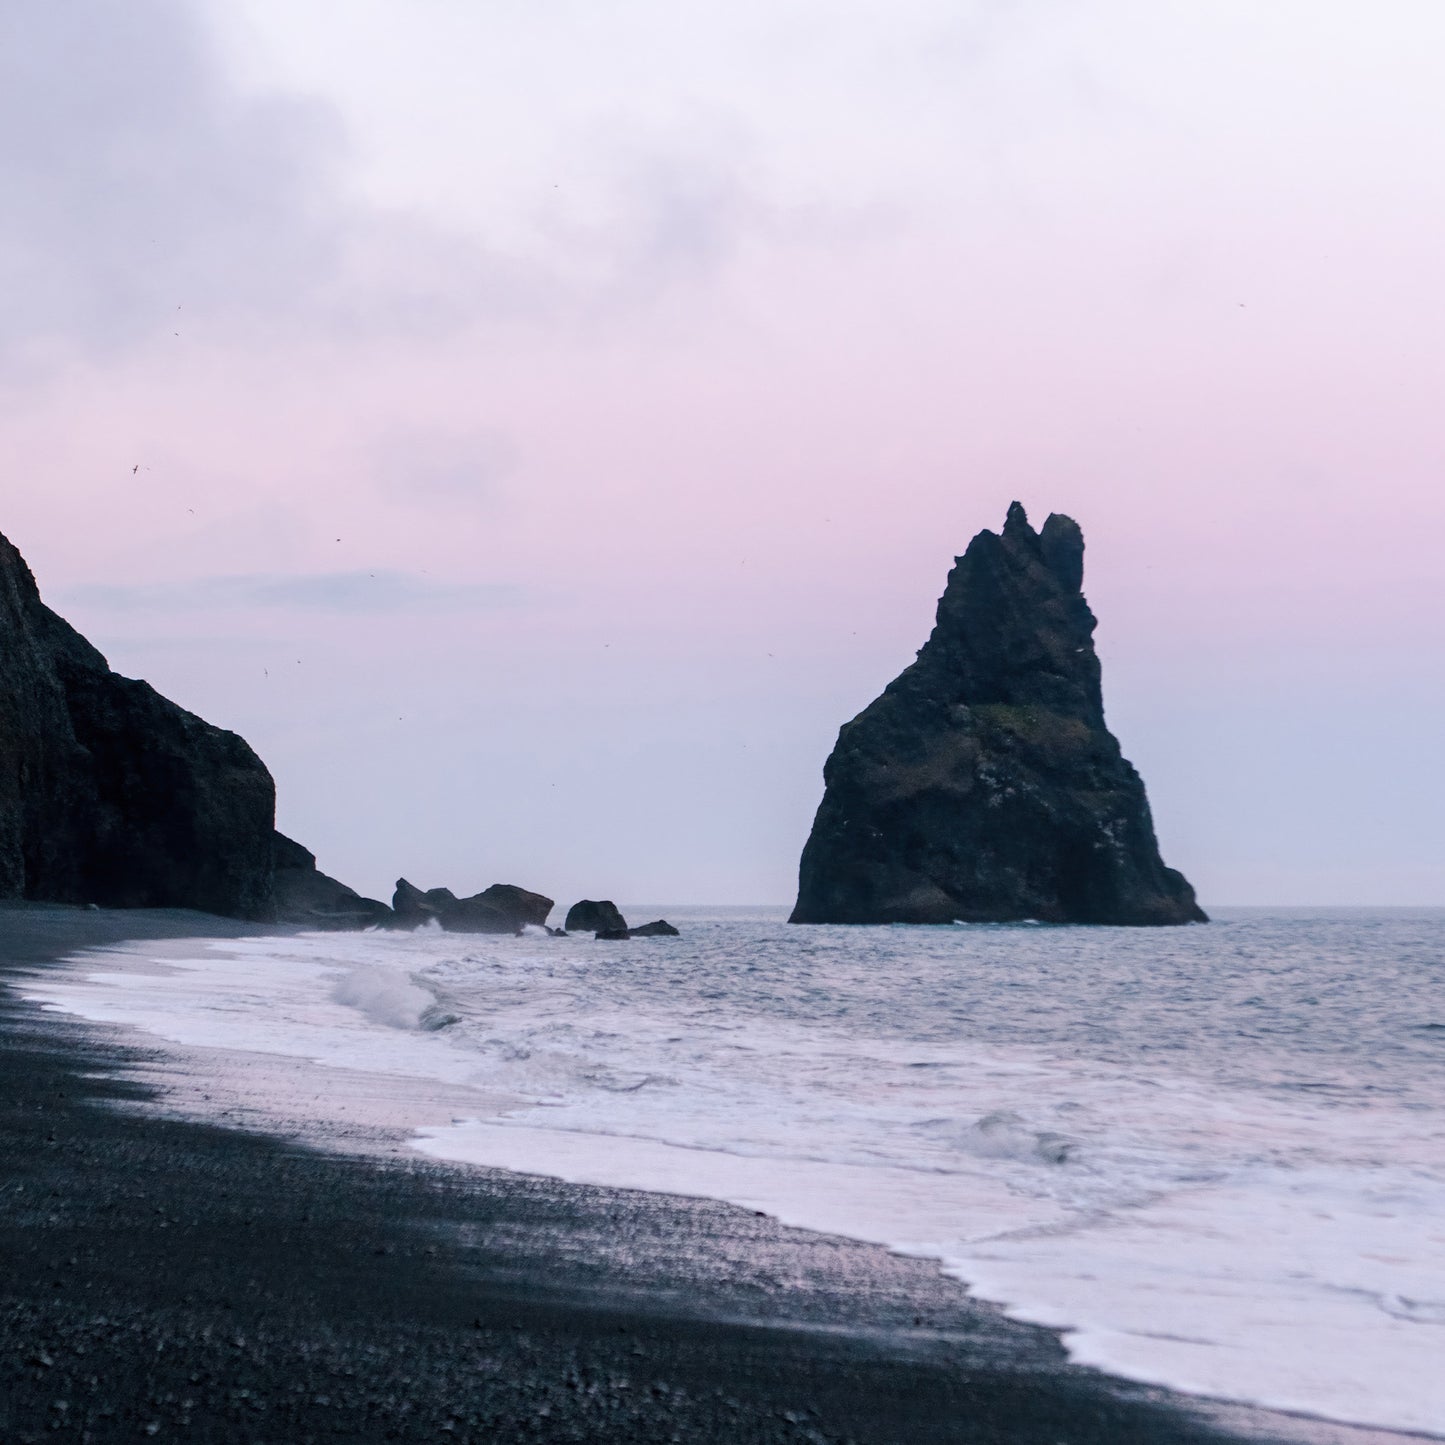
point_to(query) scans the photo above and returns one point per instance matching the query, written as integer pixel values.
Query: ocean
(1214, 1157)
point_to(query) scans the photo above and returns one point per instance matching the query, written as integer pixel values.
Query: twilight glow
(536, 429)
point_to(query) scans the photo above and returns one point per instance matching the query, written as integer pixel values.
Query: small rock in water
(595, 916)
(658, 928)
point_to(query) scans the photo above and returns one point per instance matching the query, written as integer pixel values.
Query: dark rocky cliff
(983, 785)
(111, 794)
(306, 896)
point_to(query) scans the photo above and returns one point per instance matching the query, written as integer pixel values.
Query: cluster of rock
(604, 919)
(502, 908)
(307, 896)
(112, 795)
(983, 784)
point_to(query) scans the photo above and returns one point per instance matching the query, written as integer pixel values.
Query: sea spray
(1213, 1157)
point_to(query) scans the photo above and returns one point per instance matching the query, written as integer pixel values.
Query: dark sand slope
(173, 1281)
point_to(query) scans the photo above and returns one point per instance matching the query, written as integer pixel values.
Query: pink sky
(550, 430)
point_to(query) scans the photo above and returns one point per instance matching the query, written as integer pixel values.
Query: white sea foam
(385, 998)
(1277, 1245)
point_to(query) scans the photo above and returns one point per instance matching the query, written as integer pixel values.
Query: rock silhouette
(111, 794)
(658, 928)
(502, 908)
(306, 896)
(605, 921)
(594, 916)
(983, 784)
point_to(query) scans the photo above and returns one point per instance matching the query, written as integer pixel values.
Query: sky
(538, 428)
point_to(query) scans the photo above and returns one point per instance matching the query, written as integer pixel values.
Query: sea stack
(983, 784)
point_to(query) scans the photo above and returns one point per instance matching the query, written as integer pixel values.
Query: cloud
(381, 591)
(143, 192)
(148, 197)
(151, 197)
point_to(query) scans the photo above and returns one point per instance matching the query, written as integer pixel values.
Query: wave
(385, 997)
(1243, 1237)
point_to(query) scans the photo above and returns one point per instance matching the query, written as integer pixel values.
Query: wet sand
(168, 1279)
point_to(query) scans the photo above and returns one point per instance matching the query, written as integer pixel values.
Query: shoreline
(225, 1284)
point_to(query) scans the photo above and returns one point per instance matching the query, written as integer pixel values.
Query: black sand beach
(168, 1280)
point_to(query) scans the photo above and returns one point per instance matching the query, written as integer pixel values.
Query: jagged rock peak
(983, 783)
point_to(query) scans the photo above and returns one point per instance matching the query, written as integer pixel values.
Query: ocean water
(1214, 1156)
